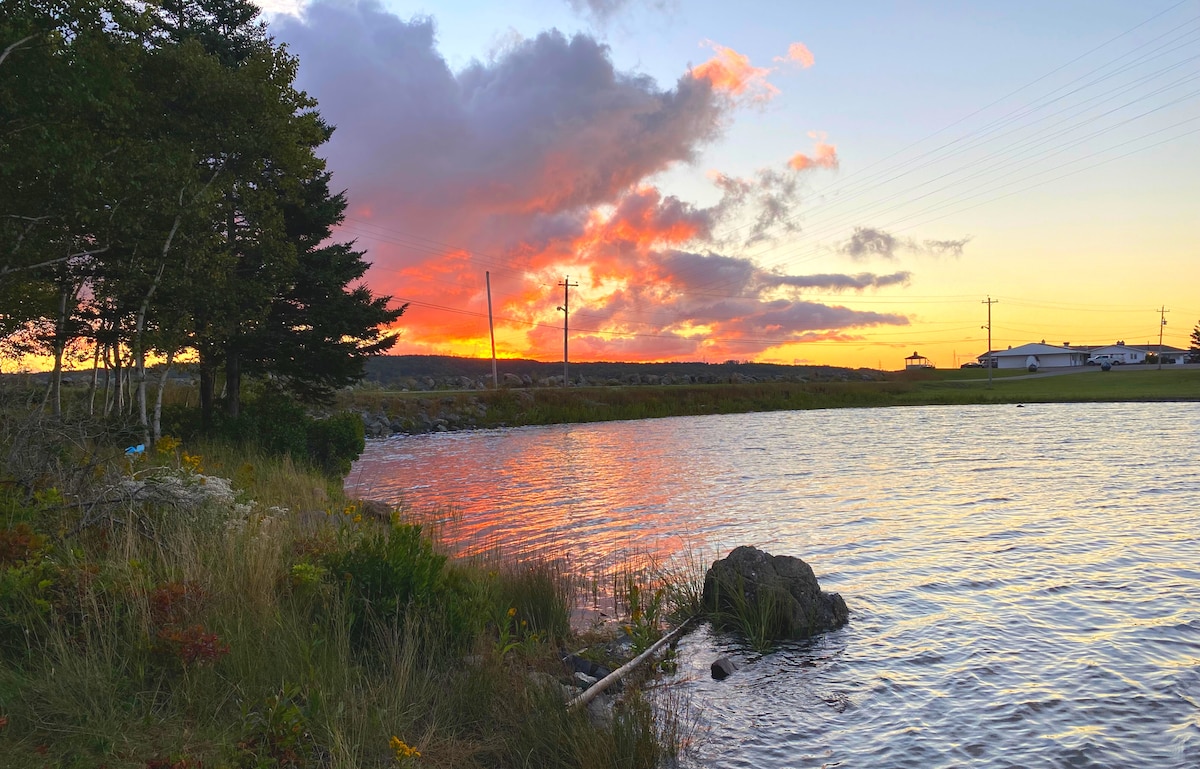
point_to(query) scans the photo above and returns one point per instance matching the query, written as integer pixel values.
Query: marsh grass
(756, 612)
(276, 626)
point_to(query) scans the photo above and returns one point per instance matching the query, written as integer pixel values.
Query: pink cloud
(797, 53)
(732, 73)
(823, 156)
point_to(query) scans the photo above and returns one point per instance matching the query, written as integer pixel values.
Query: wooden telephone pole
(990, 301)
(566, 311)
(1162, 321)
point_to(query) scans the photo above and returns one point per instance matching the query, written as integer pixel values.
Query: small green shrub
(385, 572)
(277, 733)
(335, 442)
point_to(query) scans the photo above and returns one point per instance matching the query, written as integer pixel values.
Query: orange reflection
(599, 509)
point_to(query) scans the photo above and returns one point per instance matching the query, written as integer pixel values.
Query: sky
(816, 183)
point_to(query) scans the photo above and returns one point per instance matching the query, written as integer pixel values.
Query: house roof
(1154, 348)
(1033, 348)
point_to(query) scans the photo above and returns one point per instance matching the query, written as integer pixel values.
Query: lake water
(1024, 583)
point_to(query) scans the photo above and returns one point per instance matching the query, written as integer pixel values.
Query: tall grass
(277, 625)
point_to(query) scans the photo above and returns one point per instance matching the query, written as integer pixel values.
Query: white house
(1045, 356)
(1128, 353)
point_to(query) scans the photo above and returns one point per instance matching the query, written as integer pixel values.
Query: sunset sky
(833, 183)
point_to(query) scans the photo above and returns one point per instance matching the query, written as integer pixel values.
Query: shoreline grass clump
(208, 605)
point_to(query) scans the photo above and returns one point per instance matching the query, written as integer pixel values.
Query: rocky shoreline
(447, 404)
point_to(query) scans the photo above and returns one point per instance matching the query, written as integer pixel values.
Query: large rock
(770, 596)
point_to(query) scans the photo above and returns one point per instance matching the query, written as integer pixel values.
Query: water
(1024, 583)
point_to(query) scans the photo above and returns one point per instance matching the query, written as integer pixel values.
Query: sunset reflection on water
(1013, 575)
(583, 494)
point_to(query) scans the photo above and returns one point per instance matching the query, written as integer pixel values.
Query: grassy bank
(207, 606)
(537, 406)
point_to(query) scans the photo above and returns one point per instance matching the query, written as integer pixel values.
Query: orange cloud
(824, 156)
(732, 73)
(537, 164)
(798, 53)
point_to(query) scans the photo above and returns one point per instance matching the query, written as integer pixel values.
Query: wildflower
(402, 751)
(512, 612)
(166, 445)
(192, 462)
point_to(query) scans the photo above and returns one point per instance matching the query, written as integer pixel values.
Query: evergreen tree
(1194, 349)
(326, 323)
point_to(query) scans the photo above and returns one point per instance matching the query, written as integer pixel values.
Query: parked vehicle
(1102, 358)
(972, 364)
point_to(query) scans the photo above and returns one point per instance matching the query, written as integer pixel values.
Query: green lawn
(1140, 384)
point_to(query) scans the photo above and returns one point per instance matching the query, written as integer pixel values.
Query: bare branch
(14, 47)
(6, 270)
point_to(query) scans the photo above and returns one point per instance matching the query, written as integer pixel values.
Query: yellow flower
(402, 750)
(192, 462)
(166, 445)
(512, 612)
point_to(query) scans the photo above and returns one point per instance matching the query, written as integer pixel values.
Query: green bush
(277, 425)
(387, 572)
(335, 442)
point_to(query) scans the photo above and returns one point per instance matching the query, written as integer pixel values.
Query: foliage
(645, 614)
(1194, 347)
(761, 619)
(230, 636)
(278, 733)
(161, 190)
(335, 442)
(278, 425)
(386, 572)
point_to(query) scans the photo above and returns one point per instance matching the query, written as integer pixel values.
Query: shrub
(277, 425)
(335, 442)
(387, 571)
(19, 544)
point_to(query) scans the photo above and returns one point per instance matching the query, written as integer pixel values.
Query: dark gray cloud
(868, 243)
(548, 126)
(839, 282)
(602, 11)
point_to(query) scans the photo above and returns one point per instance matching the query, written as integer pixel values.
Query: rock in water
(777, 595)
(723, 668)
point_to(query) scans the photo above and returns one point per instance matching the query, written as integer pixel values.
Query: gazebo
(916, 360)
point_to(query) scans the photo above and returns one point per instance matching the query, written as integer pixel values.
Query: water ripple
(1022, 592)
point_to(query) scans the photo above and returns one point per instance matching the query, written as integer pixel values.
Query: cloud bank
(538, 164)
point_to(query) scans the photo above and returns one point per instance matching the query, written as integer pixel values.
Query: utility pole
(566, 311)
(990, 301)
(487, 277)
(1162, 321)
